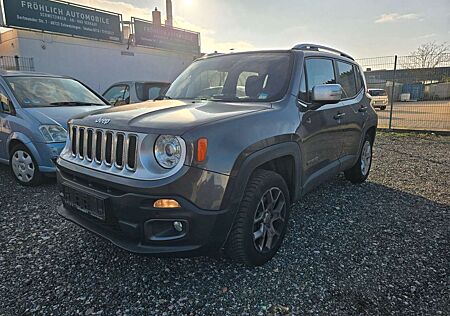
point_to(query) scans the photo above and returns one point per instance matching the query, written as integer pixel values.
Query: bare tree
(428, 55)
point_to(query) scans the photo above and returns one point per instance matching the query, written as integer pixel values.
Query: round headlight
(168, 151)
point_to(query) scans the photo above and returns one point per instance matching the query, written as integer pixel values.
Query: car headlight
(168, 151)
(53, 133)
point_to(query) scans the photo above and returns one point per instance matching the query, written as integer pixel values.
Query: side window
(117, 93)
(319, 71)
(346, 78)
(359, 79)
(5, 102)
(154, 92)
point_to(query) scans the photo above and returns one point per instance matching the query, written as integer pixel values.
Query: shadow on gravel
(349, 250)
(358, 249)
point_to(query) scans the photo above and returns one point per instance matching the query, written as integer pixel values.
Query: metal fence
(16, 63)
(417, 89)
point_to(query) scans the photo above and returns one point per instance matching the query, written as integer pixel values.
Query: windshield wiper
(74, 103)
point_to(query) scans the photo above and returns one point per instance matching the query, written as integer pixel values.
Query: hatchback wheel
(261, 221)
(360, 171)
(24, 167)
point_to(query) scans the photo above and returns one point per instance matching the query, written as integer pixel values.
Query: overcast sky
(361, 27)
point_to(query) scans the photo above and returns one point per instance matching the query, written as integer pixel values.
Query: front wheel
(360, 171)
(23, 166)
(261, 221)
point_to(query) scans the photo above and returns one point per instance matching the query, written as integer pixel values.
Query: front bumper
(132, 223)
(47, 155)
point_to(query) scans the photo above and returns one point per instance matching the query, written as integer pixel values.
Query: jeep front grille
(111, 148)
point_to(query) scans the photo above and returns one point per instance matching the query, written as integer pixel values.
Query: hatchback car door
(319, 133)
(353, 110)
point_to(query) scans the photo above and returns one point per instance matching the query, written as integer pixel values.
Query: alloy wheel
(269, 220)
(366, 157)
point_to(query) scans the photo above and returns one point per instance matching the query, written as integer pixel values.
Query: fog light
(166, 203)
(178, 226)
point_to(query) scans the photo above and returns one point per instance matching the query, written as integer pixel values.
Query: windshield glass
(249, 77)
(377, 93)
(48, 91)
(150, 91)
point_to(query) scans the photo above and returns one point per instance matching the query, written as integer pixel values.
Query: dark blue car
(34, 110)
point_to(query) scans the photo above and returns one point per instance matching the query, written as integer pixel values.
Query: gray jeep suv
(216, 163)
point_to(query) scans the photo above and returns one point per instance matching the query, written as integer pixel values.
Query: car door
(353, 110)
(6, 110)
(319, 133)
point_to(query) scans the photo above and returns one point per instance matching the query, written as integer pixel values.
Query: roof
(305, 52)
(140, 81)
(14, 73)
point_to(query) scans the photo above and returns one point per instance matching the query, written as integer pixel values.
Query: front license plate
(84, 202)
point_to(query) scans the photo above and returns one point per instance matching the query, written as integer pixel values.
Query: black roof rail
(315, 47)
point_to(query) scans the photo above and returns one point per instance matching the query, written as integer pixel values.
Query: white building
(96, 63)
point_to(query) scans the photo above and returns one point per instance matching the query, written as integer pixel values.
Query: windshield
(377, 93)
(249, 77)
(150, 91)
(47, 91)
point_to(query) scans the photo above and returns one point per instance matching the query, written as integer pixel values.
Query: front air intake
(105, 147)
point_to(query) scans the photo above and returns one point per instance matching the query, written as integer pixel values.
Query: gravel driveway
(377, 248)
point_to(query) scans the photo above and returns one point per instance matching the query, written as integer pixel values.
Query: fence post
(392, 93)
(16, 59)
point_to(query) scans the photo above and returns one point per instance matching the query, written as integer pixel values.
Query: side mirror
(326, 94)
(6, 107)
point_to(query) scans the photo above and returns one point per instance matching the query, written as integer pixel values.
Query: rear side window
(319, 71)
(359, 79)
(346, 78)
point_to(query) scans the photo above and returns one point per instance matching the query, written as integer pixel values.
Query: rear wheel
(360, 171)
(23, 166)
(261, 221)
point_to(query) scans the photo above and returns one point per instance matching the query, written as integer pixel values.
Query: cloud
(426, 36)
(209, 40)
(394, 17)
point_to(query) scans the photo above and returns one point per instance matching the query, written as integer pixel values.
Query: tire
(24, 167)
(259, 228)
(360, 171)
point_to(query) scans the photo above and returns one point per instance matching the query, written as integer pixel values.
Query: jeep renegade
(215, 164)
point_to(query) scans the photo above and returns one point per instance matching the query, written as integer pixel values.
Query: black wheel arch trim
(246, 164)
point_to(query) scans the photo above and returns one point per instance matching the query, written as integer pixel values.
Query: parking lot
(378, 248)
(426, 115)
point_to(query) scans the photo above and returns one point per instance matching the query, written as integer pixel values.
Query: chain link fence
(410, 92)
(16, 63)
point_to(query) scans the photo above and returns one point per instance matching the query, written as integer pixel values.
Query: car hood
(174, 116)
(60, 115)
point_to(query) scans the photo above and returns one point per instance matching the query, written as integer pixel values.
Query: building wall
(98, 64)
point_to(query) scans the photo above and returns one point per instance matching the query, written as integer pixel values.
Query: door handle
(362, 109)
(338, 116)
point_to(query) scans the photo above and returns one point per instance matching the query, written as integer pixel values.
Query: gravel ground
(377, 248)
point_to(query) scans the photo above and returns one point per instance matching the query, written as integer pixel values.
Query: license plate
(86, 203)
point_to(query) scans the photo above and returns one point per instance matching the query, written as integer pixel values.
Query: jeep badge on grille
(103, 121)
